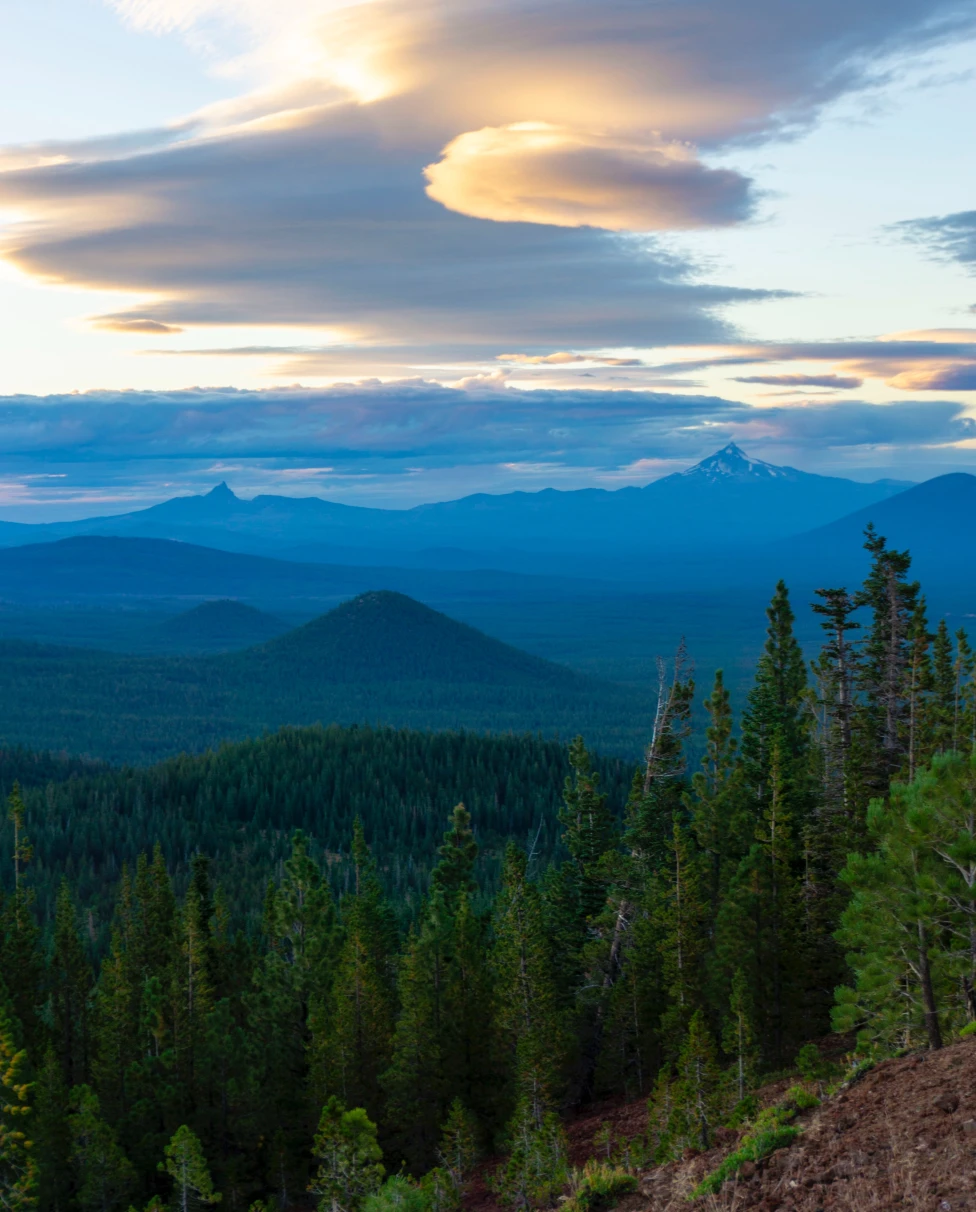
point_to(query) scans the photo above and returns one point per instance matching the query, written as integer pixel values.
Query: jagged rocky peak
(221, 493)
(732, 463)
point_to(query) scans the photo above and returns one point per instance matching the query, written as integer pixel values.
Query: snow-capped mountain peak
(732, 463)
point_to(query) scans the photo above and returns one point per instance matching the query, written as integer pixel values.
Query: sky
(387, 251)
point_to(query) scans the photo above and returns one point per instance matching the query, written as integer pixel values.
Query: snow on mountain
(732, 463)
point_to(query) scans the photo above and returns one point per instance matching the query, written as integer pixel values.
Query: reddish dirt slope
(903, 1136)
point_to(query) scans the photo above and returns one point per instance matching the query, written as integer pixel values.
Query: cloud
(907, 424)
(838, 381)
(539, 173)
(947, 237)
(939, 360)
(135, 324)
(418, 419)
(565, 359)
(959, 376)
(303, 201)
(326, 224)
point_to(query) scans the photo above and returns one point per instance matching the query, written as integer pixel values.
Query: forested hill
(241, 804)
(380, 658)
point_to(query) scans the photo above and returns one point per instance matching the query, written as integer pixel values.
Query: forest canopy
(344, 964)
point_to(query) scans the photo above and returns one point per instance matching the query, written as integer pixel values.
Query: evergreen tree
(775, 727)
(526, 999)
(187, 1167)
(353, 1032)
(454, 873)
(738, 1040)
(417, 1080)
(841, 800)
(889, 927)
(680, 917)
(716, 794)
(964, 695)
(698, 1090)
(624, 974)
(943, 712)
(474, 1070)
(892, 600)
(349, 1158)
(589, 832)
(104, 1174)
(23, 850)
(18, 1170)
(757, 922)
(536, 1168)
(919, 683)
(71, 983)
(459, 1150)
(52, 1137)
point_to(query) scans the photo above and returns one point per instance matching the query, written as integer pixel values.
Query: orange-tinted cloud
(135, 324)
(539, 173)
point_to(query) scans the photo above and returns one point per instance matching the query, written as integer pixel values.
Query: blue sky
(393, 252)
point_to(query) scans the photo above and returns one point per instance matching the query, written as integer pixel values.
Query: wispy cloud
(949, 237)
(304, 200)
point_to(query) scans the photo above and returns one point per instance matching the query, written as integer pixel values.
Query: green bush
(771, 1130)
(598, 1186)
(398, 1194)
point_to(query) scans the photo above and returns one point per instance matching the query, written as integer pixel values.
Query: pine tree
(187, 1167)
(888, 927)
(775, 721)
(943, 712)
(698, 1090)
(964, 695)
(21, 963)
(941, 808)
(536, 1168)
(454, 873)
(526, 999)
(589, 832)
(838, 672)
(885, 656)
(623, 977)
(474, 1071)
(105, 1175)
(919, 741)
(52, 1137)
(680, 917)
(353, 1031)
(23, 850)
(738, 1040)
(71, 988)
(417, 1080)
(349, 1158)
(459, 1150)
(18, 1170)
(193, 990)
(716, 793)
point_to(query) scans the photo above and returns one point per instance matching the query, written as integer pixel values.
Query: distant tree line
(316, 1023)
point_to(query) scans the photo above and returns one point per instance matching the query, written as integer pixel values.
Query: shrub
(598, 1186)
(398, 1194)
(771, 1130)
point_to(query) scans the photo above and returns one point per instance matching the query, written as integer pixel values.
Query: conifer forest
(355, 968)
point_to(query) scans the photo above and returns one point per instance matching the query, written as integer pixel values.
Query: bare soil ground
(903, 1136)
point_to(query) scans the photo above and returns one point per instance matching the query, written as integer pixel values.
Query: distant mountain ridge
(727, 497)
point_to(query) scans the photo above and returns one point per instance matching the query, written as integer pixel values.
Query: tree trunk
(930, 1011)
